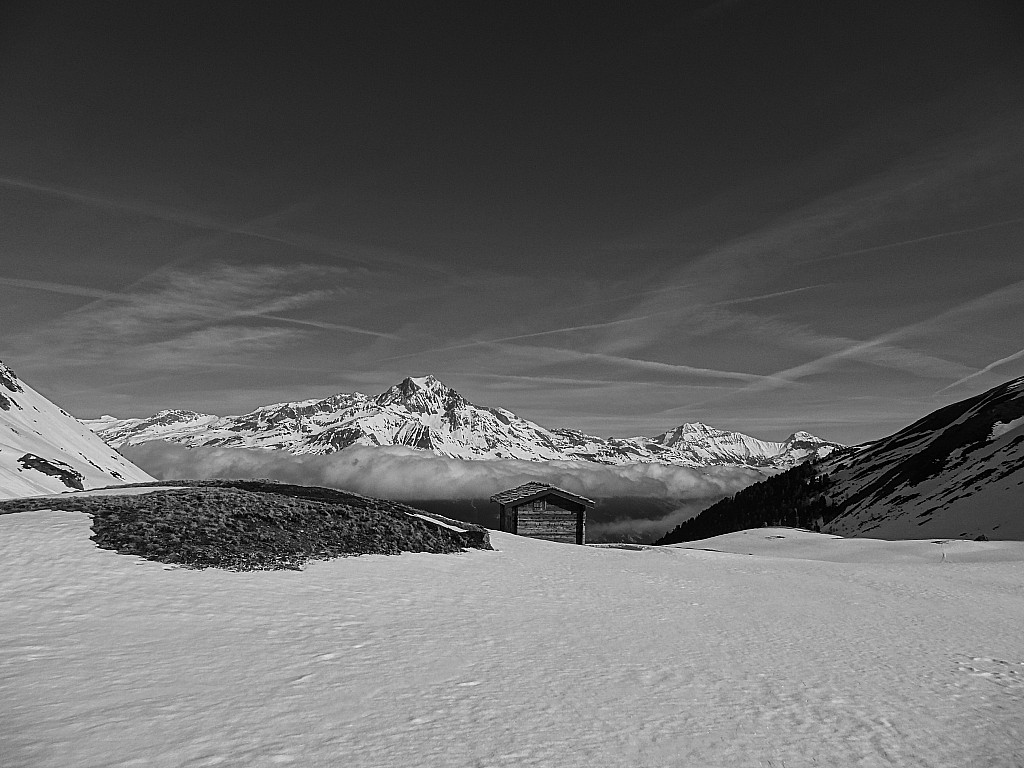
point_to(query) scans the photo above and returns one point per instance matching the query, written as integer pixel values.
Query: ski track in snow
(539, 654)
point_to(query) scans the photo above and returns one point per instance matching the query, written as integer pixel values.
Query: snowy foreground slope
(538, 654)
(45, 450)
(424, 413)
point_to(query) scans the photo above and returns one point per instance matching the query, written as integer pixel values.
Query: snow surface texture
(539, 654)
(44, 450)
(423, 413)
(957, 472)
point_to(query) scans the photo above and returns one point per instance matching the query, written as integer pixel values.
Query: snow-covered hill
(957, 472)
(45, 450)
(423, 413)
(804, 650)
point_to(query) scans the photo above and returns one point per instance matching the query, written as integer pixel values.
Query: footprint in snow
(1006, 674)
(212, 760)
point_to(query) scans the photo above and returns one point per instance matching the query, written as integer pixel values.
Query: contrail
(597, 326)
(647, 365)
(197, 221)
(95, 293)
(788, 376)
(628, 362)
(747, 299)
(329, 326)
(541, 379)
(63, 288)
(535, 334)
(143, 209)
(624, 296)
(926, 238)
(995, 364)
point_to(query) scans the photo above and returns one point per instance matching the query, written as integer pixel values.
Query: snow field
(539, 654)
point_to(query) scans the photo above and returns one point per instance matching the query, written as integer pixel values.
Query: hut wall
(548, 519)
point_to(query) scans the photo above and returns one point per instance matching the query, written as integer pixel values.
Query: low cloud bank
(641, 525)
(406, 474)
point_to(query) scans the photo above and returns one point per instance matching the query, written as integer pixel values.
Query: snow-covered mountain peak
(698, 428)
(801, 435)
(689, 432)
(422, 394)
(804, 438)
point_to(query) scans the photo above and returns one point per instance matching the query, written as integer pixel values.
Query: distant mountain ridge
(44, 450)
(424, 413)
(957, 472)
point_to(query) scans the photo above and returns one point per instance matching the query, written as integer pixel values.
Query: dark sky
(763, 215)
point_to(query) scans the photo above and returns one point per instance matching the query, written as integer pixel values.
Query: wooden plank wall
(551, 522)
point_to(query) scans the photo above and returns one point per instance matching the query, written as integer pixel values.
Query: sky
(766, 216)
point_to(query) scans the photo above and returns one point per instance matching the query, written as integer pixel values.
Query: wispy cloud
(329, 326)
(218, 347)
(773, 295)
(880, 349)
(682, 310)
(263, 228)
(877, 351)
(135, 207)
(990, 367)
(218, 314)
(520, 336)
(948, 182)
(542, 380)
(609, 300)
(542, 355)
(183, 309)
(213, 294)
(955, 177)
(916, 240)
(61, 288)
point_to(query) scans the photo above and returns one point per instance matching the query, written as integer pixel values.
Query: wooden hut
(542, 511)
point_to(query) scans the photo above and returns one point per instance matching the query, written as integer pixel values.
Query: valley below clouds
(636, 502)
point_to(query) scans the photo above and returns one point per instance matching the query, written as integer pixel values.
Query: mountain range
(424, 413)
(958, 472)
(45, 450)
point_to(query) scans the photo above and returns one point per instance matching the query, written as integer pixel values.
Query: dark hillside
(794, 498)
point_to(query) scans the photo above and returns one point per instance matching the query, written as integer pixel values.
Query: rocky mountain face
(958, 472)
(44, 450)
(424, 413)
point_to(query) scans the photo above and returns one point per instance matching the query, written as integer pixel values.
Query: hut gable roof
(530, 491)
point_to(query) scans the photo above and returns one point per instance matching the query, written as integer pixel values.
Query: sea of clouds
(665, 495)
